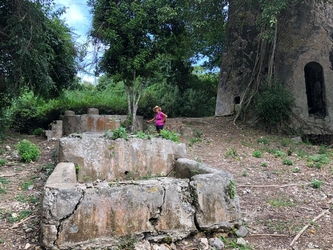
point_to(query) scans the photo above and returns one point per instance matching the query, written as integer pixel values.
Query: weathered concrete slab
(106, 159)
(94, 122)
(215, 206)
(74, 214)
(101, 214)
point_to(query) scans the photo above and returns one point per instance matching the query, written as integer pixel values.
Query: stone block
(106, 159)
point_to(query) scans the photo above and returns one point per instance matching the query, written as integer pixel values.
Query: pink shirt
(159, 119)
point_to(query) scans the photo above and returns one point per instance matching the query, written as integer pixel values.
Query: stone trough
(104, 192)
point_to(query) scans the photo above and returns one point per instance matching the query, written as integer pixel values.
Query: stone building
(303, 62)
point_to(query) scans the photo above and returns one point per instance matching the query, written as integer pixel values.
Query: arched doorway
(315, 89)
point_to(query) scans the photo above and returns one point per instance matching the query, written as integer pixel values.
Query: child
(159, 118)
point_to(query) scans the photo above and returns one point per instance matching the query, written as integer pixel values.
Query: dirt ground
(285, 187)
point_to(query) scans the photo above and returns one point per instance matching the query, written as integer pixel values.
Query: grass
(231, 243)
(264, 141)
(257, 154)
(232, 153)
(3, 162)
(316, 184)
(280, 202)
(3, 180)
(286, 161)
(27, 185)
(20, 216)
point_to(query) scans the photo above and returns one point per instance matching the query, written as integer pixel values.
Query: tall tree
(140, 38)
(36, 50)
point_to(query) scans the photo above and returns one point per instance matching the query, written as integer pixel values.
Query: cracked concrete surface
(101, 213)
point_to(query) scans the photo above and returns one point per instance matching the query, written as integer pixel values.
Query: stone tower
(303, 62)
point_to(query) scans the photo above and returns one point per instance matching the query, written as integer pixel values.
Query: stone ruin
(70, 123)
(303, 59)
(105, 191)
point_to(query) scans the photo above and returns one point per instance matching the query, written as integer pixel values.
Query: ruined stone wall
(304, 41)
(239, 58)
(306, 38)
(101, 214)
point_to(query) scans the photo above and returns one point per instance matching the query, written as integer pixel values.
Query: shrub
(120, 133)
(169, 135)
(257, 154)
(28, 151)
(272, 104)
(3, 162)
(286, 161)
(38, 131)
(316, 184)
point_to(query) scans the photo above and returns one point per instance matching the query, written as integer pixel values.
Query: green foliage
(232, 189)
(143, 135)
(169, 135)
(232, 244)
(286, 161)
(264, 141)
(28, 151)
(3, 180)
(38, 131)
(285, 142)
(48, 168)
(279, 153)
(317, 160)
(20, 216)
(257, 154)
(280, 202)
(26, 185)
(3, 162)
(194, 140)
(37, 50)
(120, 133)
(232, 152)
(272, 105)
(316, 184)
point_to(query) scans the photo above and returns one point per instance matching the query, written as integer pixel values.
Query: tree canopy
(37, 51)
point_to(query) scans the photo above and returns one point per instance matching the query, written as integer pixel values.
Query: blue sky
(78, 18)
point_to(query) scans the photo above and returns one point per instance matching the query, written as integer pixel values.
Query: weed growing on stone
(257, 154)
(77, 169)
(264, 164)
(143, 135)
(169, 135)
(232, 189)
(120, 133)
(28, 151)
